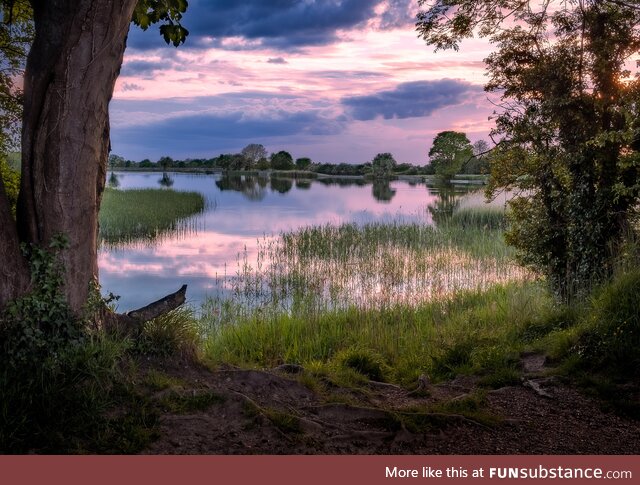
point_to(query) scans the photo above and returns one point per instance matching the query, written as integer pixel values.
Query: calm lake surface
(243, 210)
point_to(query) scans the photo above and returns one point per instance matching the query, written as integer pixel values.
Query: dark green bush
(78, 402)
(611, 340)
(58, 382)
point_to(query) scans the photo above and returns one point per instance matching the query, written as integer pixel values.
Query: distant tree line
(452, 153)
(252, 157)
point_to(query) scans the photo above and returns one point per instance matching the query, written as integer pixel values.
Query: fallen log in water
(160, 307)
(131, 323)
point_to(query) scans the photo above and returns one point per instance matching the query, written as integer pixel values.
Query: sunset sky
(334, 80)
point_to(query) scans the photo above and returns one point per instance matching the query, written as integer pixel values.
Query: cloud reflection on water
(234, 224)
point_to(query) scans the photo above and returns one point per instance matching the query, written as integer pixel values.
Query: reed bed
(145, 216)
(418, 298)
(372, 266)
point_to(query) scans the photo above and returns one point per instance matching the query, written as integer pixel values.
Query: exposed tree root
(537, 388)
(262, 412)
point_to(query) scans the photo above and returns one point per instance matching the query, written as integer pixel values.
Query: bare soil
(273, 412)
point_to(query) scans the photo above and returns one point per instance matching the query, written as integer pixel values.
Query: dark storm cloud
(207, 132)
(398, 14)
(143, 69)
(410, 100)
(281, 24)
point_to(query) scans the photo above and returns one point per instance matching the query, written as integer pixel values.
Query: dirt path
(271, 412)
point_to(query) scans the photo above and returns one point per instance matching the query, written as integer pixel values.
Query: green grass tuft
(285, 422)
(472, 406)
(502, 377)
(159, 381)
(176, 333)
(365, 362)
(611, 338)
(419, 419)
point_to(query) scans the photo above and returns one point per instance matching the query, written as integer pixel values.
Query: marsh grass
(145, 216)
(394, 301)
(478, 218)
(382, 301)
(380, 265)
(472, 332)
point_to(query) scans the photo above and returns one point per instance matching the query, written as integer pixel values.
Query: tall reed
(376, 265)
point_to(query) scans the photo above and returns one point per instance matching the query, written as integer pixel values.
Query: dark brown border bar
(305, 470)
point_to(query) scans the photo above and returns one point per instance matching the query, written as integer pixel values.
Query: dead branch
(131, 323)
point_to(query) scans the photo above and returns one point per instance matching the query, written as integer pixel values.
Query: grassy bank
(474, 331)
(483, 333)
(144, 215)
(392, 302)
(412, 297)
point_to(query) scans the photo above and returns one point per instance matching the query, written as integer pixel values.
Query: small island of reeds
(144, 215)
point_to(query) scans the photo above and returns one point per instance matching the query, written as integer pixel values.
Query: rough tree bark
(69, 80)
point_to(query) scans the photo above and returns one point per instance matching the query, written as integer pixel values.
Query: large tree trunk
(69, 80)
